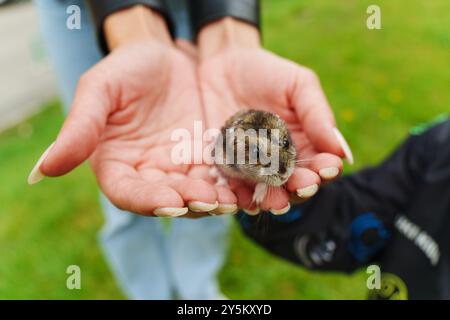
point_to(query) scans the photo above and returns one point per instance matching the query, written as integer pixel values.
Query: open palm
(241, 78)
(123, 116)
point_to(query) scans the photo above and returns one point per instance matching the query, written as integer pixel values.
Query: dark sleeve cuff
(102, 8)
(206, 11)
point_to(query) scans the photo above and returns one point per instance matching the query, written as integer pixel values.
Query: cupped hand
(239, 78)
(125, 110)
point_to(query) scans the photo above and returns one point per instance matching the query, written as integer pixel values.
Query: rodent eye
(286, 143)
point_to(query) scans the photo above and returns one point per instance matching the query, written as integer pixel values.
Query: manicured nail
(170, 212)
(252, 212)
(308, 192)
(344, 145)
(329, 173)
(36, 175)
(198, 206)
(281, 211)
(225, 209)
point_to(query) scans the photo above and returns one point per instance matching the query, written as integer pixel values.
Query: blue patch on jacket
(367, 236)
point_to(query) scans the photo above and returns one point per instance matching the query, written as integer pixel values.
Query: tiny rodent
(276, 144)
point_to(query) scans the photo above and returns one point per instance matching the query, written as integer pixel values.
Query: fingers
(315, 115)
(276, 201)
(327, 166)
(227, 201)
(303, 182)
(201, 172)
(82, 129)
(191, 189)
(244, 196)
(153, 192)
(200, 195)
(348, 154)
(128, 191)
(322, 167)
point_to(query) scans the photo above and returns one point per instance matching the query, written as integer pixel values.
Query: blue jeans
(148, 260)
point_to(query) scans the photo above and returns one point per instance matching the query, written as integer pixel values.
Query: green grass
(379, 82)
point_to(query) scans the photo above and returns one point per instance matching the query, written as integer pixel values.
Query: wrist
(225, 33)
(135, 24)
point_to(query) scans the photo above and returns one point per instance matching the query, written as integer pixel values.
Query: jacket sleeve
(206, 11)
(100, 9)
(351, 221)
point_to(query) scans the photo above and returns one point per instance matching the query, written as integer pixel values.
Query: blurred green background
(379, 82)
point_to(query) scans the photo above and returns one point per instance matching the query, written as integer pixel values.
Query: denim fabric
(148, 260)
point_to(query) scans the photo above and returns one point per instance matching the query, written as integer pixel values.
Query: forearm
(135, 24)
(219, 24)
(128, 21)
(224, 33)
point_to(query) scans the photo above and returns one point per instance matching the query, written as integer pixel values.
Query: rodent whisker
(302, 162)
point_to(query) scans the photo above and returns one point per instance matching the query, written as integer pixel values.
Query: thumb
(80, 132)
(316, 117)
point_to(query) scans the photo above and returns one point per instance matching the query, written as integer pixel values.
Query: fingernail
(344, 145)
(281, 211)
(198, 206)
(170, 212)
(329, 173)
(36, 175)
(252, 212)
(308, 192)
(225, 209)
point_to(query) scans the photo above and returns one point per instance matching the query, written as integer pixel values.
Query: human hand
(236, 73)
(125, 110)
